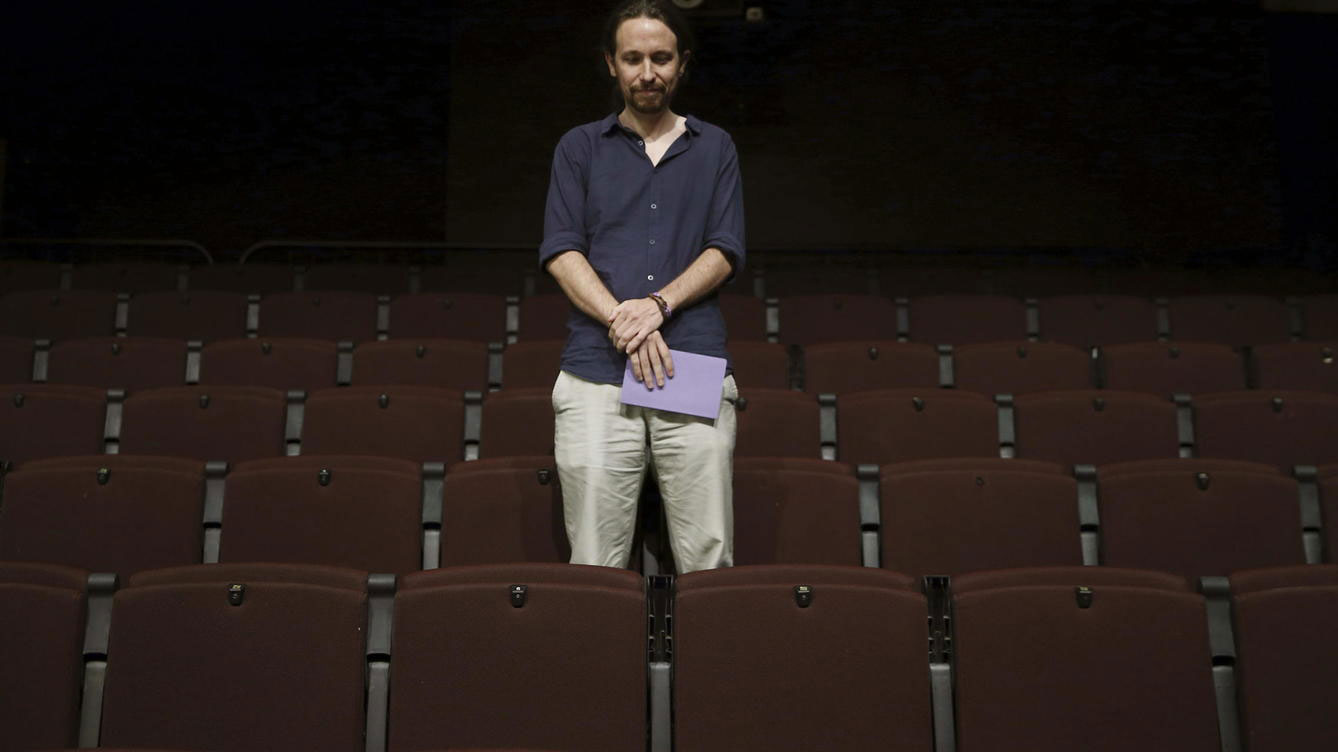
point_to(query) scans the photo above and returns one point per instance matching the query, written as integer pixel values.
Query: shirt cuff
(560, 243)
(731, 247)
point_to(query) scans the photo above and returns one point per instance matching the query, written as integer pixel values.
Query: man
(644, 221)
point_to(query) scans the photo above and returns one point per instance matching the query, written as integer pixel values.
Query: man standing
(644, 221)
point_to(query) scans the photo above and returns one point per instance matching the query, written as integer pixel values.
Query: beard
(648, 101)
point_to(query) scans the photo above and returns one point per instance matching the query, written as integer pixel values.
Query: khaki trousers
(602, 447)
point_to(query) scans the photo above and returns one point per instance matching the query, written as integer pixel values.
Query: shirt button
(650, 277)
(653, 206)
(652, 242)
(640, 143)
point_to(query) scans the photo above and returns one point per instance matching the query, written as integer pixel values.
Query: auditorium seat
(544, 316)
(1198, 517)
(376, 279)
(760, 364)
(1095, 427)
(1230, 319)
(816, 277)
(16, 360)
(800, 658)
(456, 315)
(125, 277)
(104, 513)
(1021, 367)
(248, 279)
(1321, 317)
(28, 275)
(844, 367)
(1287, 657)
(894, 425)
(1282, 428)
(229, 423)
(550, 656)
(58, 314)
(532, 363)
(497, 515)
(42, 613)
(481, 275)
(347, 511)
(1328, 479)
(776, 423)
(205, 315)
(1308, 366)
(422, 424)
(131, 363)
(331, 315)
(246, 657)
(967, 319)
(1167, 368)
(517, 422)
(450, 363)
(952, 516)
(1122, 662)
(281, 363)
(788, 512)
(50, 420)
(745, 317)
(810, 319)
(1089, 320)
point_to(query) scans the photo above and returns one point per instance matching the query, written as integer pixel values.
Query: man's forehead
(645, 35)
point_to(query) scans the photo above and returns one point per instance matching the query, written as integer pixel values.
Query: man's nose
(647, 73)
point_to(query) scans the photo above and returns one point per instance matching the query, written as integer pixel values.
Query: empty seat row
(429, 424)
(1082, 321)
(126, 513)
(245, 657)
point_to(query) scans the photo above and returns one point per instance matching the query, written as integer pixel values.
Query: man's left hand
(632, 321)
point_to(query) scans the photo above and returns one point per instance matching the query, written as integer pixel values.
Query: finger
(644, 356)
(655, 365)
(635, 360)
(638, 338)
(665, 356)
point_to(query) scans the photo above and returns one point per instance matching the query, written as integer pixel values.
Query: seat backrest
(1087, 320)
(967, 319)
(745, 317)
(1090, 688)
(281, 363)
(845, 367)
(1166, 368)
(204, 315)
(1307, 366)
(1321, 317)
(16, 360)
(786, 513)
(532, 363)
(761, 364)
(1281, 614)
(377, 279)
(42, 612)
(346, 511)
(471, 681)
(809, 319)
(1095, 427)
(1021, 367)
(418, 423)
(231, 423)
(451, 363)
(894, 425)
(474, 316)
(517, 422)
(1277, 427)
(963, 515)
(1198, 517)
(193, 650)
(120, 277)
(131, 363)
(759, 665)
(261, 279)
(502, 515)
(544, 316)
(1229, 319)
(104, 513)
(58, 314)
(776, 423)
(50, 420)
(331, 315)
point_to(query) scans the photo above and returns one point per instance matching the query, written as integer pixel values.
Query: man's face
(647, 64)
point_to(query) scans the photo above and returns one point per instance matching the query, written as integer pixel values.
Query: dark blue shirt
(640, 225)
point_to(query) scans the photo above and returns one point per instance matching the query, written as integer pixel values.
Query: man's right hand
(651, 359)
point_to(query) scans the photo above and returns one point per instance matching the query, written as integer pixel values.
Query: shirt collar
(610, 124)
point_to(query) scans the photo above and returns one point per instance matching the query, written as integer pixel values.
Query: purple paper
(695, 388)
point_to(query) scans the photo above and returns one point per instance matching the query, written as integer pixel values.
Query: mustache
(640, 89)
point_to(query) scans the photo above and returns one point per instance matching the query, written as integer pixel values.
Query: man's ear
(683, 64)
(608, 60)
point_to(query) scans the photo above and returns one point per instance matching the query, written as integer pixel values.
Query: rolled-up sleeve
(724, 226)
(564, 213)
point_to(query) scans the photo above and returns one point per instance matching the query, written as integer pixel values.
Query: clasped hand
(634, 329)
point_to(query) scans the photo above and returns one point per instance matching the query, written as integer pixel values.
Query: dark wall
(1150, 127)
(916, 124)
